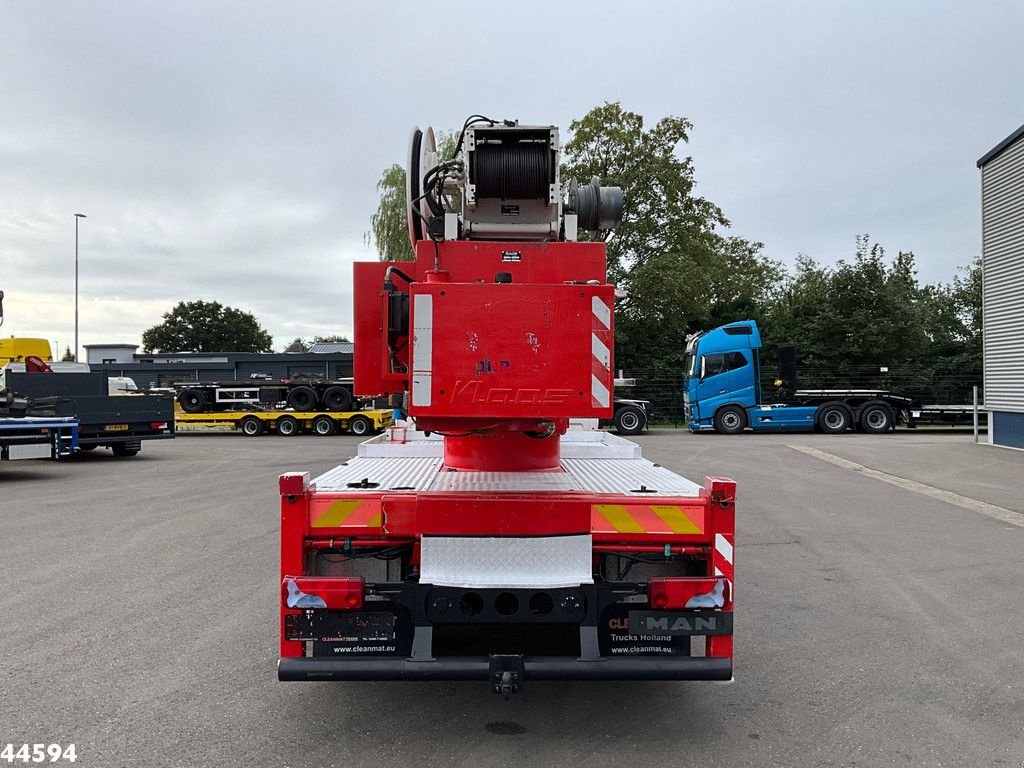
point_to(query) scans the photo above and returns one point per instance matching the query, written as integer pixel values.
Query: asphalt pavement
(876, 625)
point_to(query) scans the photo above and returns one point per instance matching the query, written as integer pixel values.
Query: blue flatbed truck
(722, 392)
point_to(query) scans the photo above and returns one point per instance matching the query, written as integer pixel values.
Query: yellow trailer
(287, 423)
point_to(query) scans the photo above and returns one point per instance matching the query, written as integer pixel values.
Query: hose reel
(508, 179)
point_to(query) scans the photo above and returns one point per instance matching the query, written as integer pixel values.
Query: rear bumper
(478, 668)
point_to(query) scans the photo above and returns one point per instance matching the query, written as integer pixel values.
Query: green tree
(869, 323)
(206, 326)
(389, 224)
(298, 344)
(331, 339)
(670, 254)
(68, 356)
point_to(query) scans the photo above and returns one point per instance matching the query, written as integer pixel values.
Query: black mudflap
(614, 638)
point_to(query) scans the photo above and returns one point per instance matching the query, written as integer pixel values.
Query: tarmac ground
(879, 619)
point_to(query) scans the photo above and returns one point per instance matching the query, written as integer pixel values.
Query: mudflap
(615, 640)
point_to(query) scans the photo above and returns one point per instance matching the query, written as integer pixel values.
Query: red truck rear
(493, 542)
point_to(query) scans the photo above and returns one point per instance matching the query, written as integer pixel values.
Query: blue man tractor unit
(723, 392)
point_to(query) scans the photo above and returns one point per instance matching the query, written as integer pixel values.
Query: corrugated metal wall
(1002, 216)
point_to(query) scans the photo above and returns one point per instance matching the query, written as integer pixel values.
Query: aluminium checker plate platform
(592, 462)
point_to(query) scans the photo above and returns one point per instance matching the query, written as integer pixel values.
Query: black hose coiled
(512, 171)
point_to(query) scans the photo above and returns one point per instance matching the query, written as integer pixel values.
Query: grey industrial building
(1002, 237)
(332, 361)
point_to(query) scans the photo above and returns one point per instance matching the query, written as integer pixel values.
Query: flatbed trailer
(394, 567)
(37, 437)
(947, 415)
(301, 394)
(118, 422)
(288, 423)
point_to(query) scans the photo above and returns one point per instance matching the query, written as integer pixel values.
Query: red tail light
(666, 593)
(338, 593)
(158, 425)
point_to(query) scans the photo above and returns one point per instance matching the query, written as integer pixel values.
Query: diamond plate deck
(506, 562)
(626, 476)
(504, 481)
(592, 461)
(576, 444)
(392, 474)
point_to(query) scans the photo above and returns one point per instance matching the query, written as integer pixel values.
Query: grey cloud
(230, 150)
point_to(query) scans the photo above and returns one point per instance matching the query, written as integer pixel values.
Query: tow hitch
(507, 672)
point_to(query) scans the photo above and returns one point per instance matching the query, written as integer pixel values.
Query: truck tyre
(876, 418)
(323, 426)
(730, 420)
(122, 450)
(630, 420)
(192, 400)
(302, 399)
(360, 425)
(834, 418)
(251, 426)
(337, 399)
(287, 426)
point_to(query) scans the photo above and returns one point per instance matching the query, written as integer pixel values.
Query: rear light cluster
(337, 593)
(687, 592)
(158, 425)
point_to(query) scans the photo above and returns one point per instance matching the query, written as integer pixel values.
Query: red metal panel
(478, 261)
(721, 493)
(294, 488)
(370, 335)
(460, 514)
(508, 350)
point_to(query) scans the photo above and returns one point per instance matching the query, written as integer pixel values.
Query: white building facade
(1002, 236)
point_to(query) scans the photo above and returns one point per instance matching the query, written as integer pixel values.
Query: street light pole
(77, 217)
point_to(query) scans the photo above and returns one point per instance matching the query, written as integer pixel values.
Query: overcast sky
(230, 150)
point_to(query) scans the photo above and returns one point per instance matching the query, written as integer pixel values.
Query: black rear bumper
(478, 668)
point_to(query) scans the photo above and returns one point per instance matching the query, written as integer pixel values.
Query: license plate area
(116, 428)
(346, 633)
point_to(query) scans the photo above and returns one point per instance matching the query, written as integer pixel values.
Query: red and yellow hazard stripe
(646, 518)
(345, 513)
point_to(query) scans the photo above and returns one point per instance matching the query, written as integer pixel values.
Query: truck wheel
(876, 418)
(302, 399)
(360, 425)
(287, 426)
(337, 399)
(192, 400)
(251, 426)
(630, 420)
(323, 426)
(122, 450)
(730, 420)
(834, 418)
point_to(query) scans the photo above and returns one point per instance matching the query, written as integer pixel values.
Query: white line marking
(601, 311)
(600, 351)
(422, 348)
(599, 391)
(723, 546)
(981, 507)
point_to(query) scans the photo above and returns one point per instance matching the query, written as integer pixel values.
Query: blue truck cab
(722, 391)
